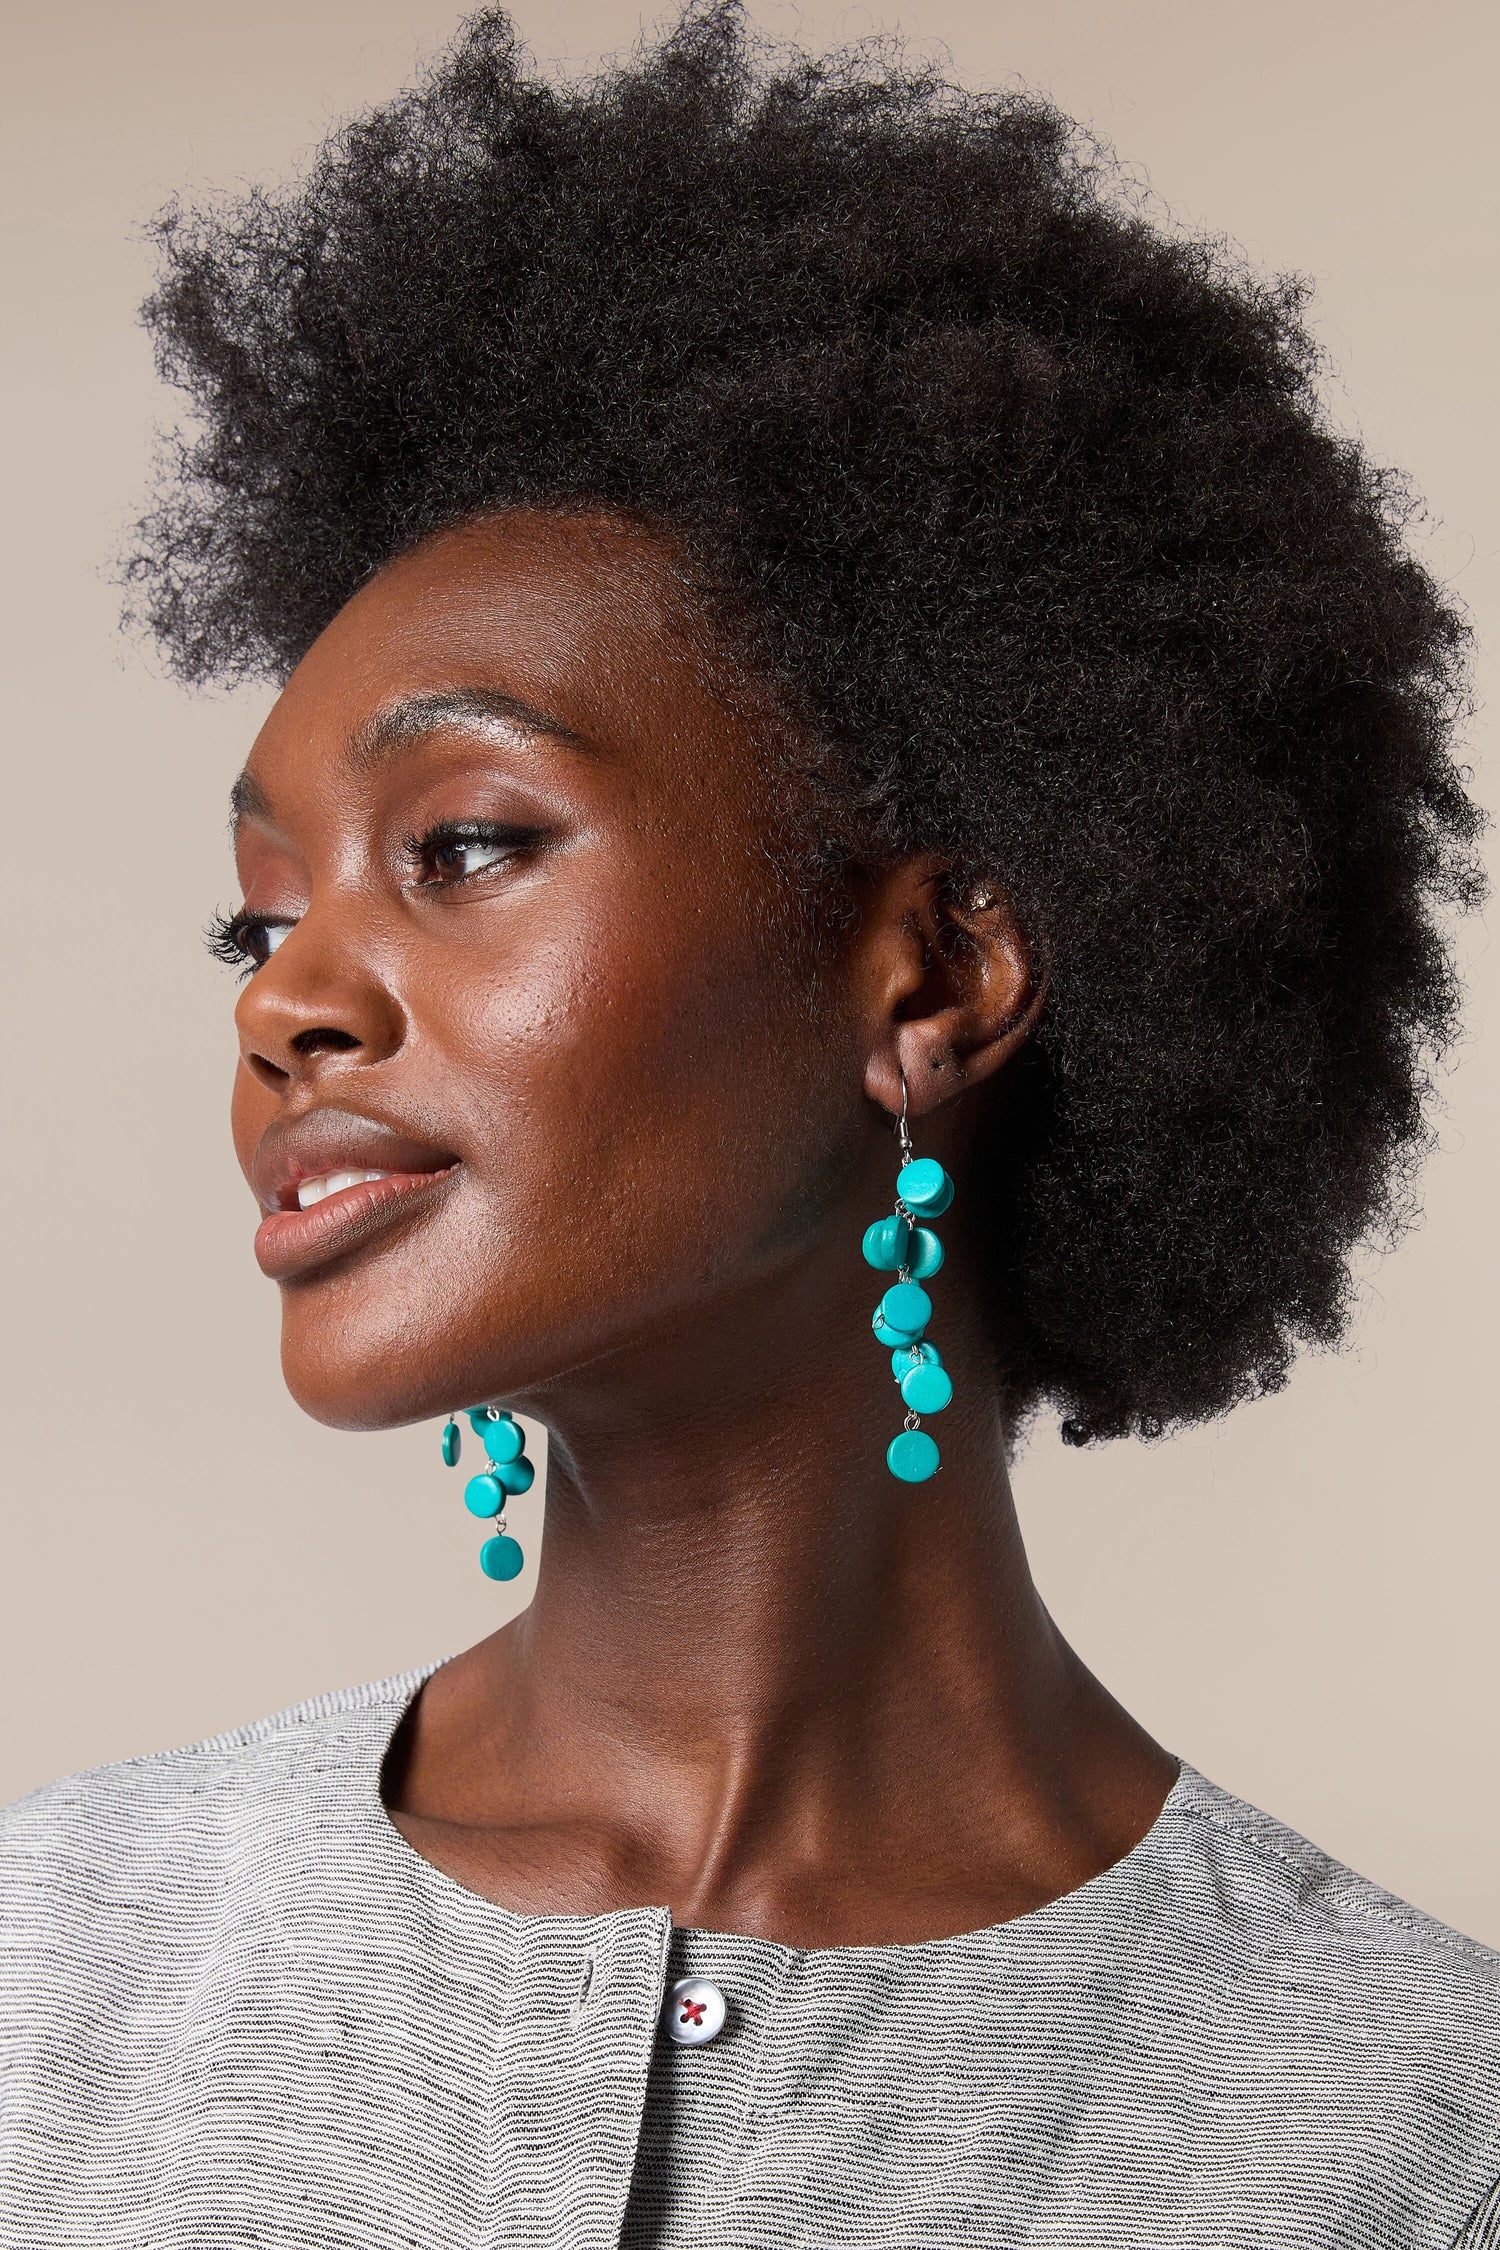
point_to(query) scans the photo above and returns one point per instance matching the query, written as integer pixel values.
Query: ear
(952, 988)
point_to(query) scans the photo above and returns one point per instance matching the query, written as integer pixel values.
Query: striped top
(236, 2008)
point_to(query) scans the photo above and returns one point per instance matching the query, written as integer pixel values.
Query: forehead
(580, 618)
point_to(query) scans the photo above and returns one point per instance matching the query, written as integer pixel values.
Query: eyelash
(239, 940)
(230, 938)
(502, 835)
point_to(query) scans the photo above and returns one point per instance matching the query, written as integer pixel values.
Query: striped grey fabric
(1483, 2229)
(237, 2009)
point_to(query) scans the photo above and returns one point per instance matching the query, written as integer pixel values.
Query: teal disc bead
(912, 1456)
(924, 1187)
(927, 1389)
(885, 1334)
(504, 1441)
(501, 1557)
(924, 1255)
(885, 1244)
(451, 1445)
(907, 1307)
(484, 1496)
(908, 1356)
(516, 1476)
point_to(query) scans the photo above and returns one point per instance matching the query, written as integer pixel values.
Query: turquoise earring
(904, 1246)
(509, 1472)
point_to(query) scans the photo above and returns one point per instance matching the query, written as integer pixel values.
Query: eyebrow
(416, 715)
(247, 801)
(407, 721)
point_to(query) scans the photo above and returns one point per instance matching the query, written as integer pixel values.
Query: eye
(464, 855)
(455, 851)
(246, 941)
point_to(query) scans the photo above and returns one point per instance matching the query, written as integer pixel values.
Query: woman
(830, 669)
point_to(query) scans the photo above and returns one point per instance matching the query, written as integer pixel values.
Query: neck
(765, 1683)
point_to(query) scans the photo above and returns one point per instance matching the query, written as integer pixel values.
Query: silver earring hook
(901, 1127)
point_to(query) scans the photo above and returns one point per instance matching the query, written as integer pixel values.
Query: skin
(649, 1110)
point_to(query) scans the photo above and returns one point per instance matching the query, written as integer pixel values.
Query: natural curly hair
(1040, 527)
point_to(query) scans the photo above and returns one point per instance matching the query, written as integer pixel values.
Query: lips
(330, 1182)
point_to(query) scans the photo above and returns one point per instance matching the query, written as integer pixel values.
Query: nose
(318, 1002)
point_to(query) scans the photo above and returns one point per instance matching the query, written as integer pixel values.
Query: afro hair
(1040, 527)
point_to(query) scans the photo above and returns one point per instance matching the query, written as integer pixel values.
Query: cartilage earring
(905, 1246)
(485, 1495)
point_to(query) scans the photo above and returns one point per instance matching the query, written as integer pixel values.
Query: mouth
(331, 1183)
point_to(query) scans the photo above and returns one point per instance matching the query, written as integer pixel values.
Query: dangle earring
(904, 1246)
(509, 1472)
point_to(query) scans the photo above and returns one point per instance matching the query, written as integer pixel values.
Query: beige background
(1302, 1600)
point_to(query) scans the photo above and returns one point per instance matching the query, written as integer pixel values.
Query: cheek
(642, 1116)
(649, 1113)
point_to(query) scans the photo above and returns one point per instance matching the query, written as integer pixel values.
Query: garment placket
(571, 2062)
(702, 2100)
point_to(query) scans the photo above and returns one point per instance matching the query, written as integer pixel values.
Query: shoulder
(1281, 2048)
(1325, 1996)
(158, 1831)
(1287, 1909)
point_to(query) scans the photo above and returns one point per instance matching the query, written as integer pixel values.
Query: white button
(693, 2012)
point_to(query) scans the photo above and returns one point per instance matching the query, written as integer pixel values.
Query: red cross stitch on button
(693, 2013)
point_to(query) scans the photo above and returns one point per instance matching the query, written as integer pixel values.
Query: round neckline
(1120, 1875)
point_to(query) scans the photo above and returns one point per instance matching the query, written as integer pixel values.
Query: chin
(345, 1399)
(353, 1367)
(352, 1375)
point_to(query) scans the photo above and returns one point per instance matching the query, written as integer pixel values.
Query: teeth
(313, 1191)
